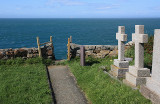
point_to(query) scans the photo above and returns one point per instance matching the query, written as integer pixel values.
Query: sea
(22, 32)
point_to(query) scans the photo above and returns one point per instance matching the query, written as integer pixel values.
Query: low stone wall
(96, 51)
(47, 52)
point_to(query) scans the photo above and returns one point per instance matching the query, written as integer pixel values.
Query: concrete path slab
(64, 85)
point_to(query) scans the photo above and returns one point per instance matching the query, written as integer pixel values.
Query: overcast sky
(79, 8)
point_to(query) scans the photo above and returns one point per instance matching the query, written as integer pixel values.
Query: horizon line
(80, 18)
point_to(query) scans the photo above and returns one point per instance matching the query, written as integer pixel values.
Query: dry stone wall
(47, 52)
(96, 51)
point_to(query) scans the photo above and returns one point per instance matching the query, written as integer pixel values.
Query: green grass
(99, 87)
(24, 83)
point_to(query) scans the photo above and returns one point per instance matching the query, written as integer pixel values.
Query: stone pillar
(137, 74)
(82, 55)
(120, 66)
(152, 88)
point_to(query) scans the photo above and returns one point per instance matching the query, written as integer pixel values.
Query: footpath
(64, 86)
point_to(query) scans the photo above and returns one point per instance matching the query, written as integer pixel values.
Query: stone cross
(139, 38)
(121, 37)
(82, 55)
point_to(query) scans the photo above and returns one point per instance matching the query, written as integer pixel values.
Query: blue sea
(17, 33)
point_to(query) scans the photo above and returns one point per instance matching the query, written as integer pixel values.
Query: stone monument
(137, 74)
(152, 88)
(120, 66)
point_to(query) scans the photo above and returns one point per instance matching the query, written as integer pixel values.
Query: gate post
(51, 41)
(68, 49)
(39, 48)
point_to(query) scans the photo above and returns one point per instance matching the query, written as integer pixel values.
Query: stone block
(143, 38)
(113, 53)
(91, 47)
(128, 59)
(29, 55)
(86, 47)
(89, 53)
(123, 37)
(49, 52)
(96, 51)
(105, 52)
(139, 29)
(153, 85)
(135, 81)
(1, 55)
(139, 72)
(74, 46)
(121, 64)
(78, 51)
(149, 94)
(130, 43)
(121, 29)
(78, 55)
(118, 72)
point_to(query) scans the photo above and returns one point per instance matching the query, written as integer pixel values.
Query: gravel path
(64, 86)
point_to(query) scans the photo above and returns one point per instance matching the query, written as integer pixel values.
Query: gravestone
(152, 88)
(120, 66)
(137, 74)
(82, 55)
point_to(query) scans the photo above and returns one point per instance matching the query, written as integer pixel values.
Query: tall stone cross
(121, 37)
(139, 38)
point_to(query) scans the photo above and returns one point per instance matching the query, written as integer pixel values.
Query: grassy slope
(24, 84)
(100, 88)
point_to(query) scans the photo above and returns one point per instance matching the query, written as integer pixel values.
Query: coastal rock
(103, 53)
(50, 52)
(130, 43)
(96, 51)
(1, 55)
(113, 53)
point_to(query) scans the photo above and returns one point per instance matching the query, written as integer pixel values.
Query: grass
(99, 87)
(24, 82)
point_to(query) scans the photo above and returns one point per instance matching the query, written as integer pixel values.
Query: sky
(79, 8)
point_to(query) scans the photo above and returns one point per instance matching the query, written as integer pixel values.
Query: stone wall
(96, 51)
(47, 52)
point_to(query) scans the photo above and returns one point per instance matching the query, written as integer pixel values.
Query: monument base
(118, 72)
(149, 94)
(137, 76)
(121, 64)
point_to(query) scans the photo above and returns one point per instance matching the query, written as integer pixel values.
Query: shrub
(148, 51)
(130, 52)
(148, 47)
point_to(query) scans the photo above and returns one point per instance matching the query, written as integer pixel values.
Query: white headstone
(156, 56)
(137, 74)
(154, 82)
(120, 66)
(139, 38)
(121, 37)
(152, 89)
